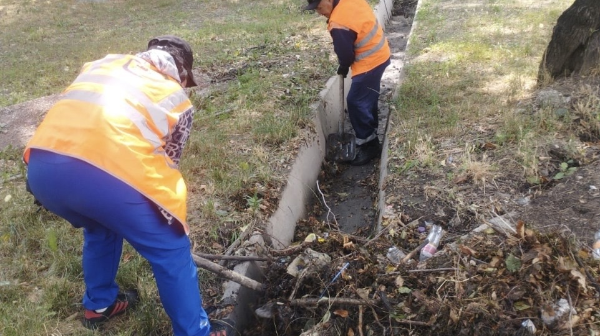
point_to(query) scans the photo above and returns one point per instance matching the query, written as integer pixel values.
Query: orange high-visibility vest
(116, 116)
(371, 47)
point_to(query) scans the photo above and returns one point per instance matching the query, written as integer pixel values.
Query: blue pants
(363, 98)
(109, 211)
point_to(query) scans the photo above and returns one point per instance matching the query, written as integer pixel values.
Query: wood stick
(230, 257)
(413, 252)
(426, 324)
(387, 228)
(290, 250)
(228, 274)
(433, 270)
(235, 244)
(360, 320)
(331, 301)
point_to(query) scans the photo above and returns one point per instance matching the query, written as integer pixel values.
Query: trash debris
(309, 258)
(551, 314)
(529, 326)
(486, 273)
(337, 275)
(395, 254)
(266, 311)
(434, 237)
(596, 246)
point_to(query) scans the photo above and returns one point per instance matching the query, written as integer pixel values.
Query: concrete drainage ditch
(358, 199)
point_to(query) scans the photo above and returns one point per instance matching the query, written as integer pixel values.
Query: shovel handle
(342, 104)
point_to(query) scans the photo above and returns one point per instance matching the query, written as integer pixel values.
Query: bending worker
(360, 45)
(105, 158)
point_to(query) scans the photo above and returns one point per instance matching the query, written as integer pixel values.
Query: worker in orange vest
(360, 45)
(105, 158)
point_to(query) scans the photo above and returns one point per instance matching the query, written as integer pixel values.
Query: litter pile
(500, 279)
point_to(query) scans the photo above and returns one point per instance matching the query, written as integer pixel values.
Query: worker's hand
(342, 70)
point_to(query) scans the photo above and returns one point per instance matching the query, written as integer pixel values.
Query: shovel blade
(341, 147)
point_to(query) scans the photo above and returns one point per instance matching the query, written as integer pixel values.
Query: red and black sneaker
(125, 300)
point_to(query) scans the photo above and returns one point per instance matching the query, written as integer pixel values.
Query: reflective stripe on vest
(372, 50)
(157, 110)
(125, 109)
(367, 38)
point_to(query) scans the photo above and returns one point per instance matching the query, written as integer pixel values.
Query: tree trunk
(575, 43)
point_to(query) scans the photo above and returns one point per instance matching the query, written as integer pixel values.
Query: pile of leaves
(487, 282)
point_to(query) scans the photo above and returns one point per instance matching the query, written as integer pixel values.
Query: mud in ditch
(346, 198)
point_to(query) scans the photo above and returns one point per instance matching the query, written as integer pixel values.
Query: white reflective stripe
(117, 107)
(108, 59)
(157, 112)
(372, 50)
(173, 100)
(367, 38)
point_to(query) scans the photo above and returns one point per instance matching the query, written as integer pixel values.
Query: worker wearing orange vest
(106, 159)
(360, 45)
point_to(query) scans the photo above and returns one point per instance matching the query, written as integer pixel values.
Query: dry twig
(228, 274)
(413, 252)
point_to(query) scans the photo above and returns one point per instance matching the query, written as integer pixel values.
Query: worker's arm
(175, 143)
(343, 45)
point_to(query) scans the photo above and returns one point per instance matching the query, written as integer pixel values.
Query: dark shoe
(365, 153)
(126, 300)
(222, 328)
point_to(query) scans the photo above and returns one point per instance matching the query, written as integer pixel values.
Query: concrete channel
(301, 182)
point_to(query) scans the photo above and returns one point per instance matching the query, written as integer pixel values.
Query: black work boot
(366, 152)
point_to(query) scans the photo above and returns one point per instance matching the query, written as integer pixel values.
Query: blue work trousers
(109, 211)
(362, 100)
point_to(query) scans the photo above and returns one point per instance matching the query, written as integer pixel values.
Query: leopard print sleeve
(175, 143)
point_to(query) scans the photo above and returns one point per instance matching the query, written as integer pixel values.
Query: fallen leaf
(399, 281)
(467, 250)
(513, 263)
(404, 290)
(341, 312)
(521, 229)
(521, 305)
(454, 316)
(580, 279)
(310, 238)
(364, 292)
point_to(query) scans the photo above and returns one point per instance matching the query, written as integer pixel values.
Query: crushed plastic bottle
(529, 326)
(395, 254)
(596, 246)
(434, 237)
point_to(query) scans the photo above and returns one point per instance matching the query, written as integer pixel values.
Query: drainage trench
(330, 200)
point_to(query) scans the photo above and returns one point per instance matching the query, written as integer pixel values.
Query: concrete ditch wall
(301, 182)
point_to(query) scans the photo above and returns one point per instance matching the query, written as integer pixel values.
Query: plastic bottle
(395, 255)
(596, 246)
(434, 237)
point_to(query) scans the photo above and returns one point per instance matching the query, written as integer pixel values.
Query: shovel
(341, 147)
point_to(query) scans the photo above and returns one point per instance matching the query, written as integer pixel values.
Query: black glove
(343, 70)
